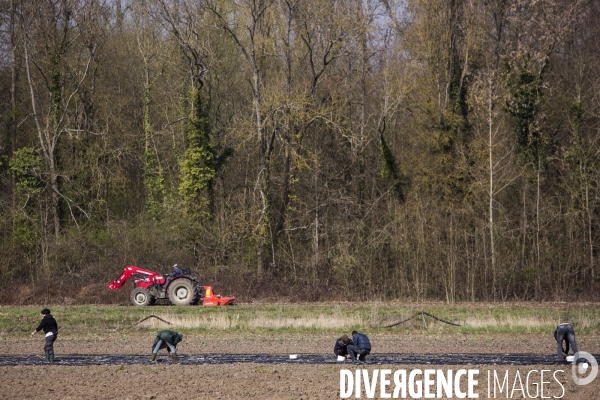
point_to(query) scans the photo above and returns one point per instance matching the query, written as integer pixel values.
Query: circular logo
(579, 368)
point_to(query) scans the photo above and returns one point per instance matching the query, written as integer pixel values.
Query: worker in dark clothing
(50, 328)
(176, 271)
(361, 346)
(341, 345)
(564, 332)
(166, 340)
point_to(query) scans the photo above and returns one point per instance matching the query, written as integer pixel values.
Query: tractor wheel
(182, 292)
(141, 297)
(198, 296)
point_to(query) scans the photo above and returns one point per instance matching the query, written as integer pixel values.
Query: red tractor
(182, 290)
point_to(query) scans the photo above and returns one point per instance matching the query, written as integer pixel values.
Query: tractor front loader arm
(128, 272)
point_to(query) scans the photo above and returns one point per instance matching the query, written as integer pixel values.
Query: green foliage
(452, 136)
(391, 171)
(24, 234)
(453, 120)
(576, 111)
(197, 168)
(196, 180)
(154, 179)
(25, 165)
(525, 88)
(581, 161)
(155, 184)
(56, 89)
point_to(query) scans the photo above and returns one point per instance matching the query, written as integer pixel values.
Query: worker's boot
(51, 358)
(46, 355)
(153, 357)
(174, 356)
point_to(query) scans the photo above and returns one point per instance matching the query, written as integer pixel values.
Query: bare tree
(58, 34)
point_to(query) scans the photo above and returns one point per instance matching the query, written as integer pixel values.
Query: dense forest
(302, 149)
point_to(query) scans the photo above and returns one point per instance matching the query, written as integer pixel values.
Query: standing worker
(48, 324)
(361, 346)
(166, 339)
(341, 346)
(565, 332)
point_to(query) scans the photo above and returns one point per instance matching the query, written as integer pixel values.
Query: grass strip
(474, 318)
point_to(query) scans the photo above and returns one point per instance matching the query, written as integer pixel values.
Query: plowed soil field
(137, 378)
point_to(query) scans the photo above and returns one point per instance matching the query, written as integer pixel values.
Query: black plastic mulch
(375, 359)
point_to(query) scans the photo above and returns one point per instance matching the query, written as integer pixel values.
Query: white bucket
(570, 359)
(341, 358)
(293, 356)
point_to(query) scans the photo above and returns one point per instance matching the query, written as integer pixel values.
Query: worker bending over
(564, 332)
(341, 346)
(166, 340)
(361, 346)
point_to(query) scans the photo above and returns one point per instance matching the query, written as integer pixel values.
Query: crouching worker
(166, 340)
(361, 346)
(564, 333)
(48, 324)
(341, 346)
